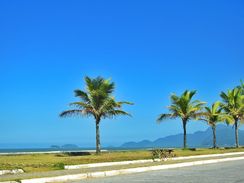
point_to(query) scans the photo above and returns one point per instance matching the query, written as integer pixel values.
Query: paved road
(227, 172)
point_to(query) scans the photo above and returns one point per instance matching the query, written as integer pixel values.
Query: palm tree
(183, 107)
(233, 105)
(241, 86)
(212, 116)
(97, 101)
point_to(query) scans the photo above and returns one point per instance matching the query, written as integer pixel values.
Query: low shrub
(59, 166)
(162, 154)
(78, 153)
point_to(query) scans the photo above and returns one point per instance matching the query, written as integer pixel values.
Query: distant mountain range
(225, 137)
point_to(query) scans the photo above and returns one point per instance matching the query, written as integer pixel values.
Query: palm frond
(80, 105)
(227, 119)
(203, 119)
(69, 113)
(115, 112)
(163, 117)
(197, 115)
(125, 102)
(224, 97)
(191, 93)
(83, 95)
(174, 98)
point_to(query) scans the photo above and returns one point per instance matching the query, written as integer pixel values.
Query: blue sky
(149, 49)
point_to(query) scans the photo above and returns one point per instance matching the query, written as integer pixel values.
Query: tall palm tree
(97, 101)
(183, 107)
(241, 86)
(212, 116)
(233, 105)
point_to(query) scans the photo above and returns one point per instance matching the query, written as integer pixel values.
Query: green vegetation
(48, 162)
(97, 102)
(162, 154)
(183, 107)
(212, 116)
(233, 105)
(99, 169)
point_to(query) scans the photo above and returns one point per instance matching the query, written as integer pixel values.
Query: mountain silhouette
(225, 137)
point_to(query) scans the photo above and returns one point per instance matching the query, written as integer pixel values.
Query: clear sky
(149, 49)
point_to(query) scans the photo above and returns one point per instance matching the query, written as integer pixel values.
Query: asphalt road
(227, 172)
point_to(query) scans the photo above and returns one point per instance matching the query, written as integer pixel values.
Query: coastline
(43, 151)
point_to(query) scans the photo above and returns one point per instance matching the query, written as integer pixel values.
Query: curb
(125, 171)
(208, 156)
(93, 165)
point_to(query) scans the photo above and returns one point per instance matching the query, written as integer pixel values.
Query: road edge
(109, 173)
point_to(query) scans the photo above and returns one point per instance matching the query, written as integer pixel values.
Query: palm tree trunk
(184, 127)
(236, 133)
(214, 136)
(98, 144)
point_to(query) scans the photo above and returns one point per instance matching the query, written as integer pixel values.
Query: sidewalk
(117, 169)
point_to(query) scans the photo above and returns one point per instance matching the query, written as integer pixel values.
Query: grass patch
(97, 169)
(48, 162)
